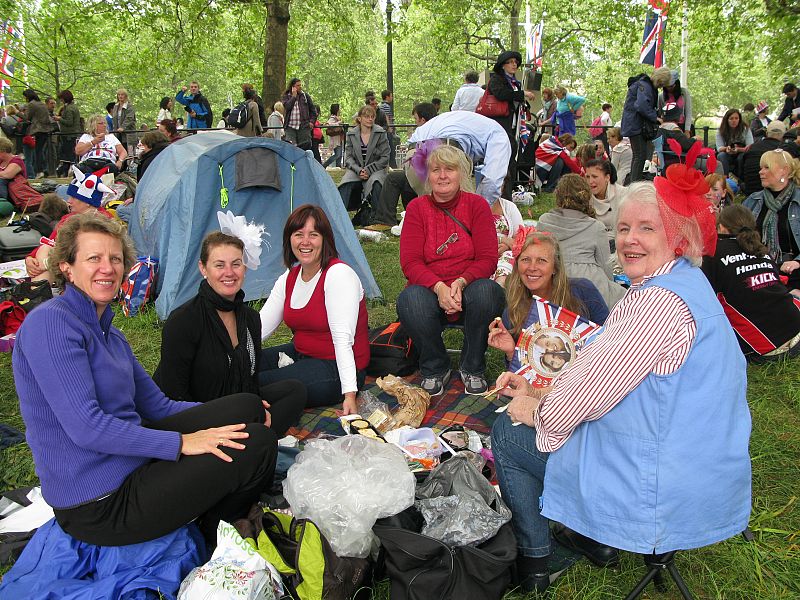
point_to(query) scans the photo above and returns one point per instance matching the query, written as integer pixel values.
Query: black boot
(597, 553)
(533, 575)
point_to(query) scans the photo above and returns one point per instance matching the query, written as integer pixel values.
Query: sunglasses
(451, 240)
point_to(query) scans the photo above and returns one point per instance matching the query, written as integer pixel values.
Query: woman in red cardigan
(448, 251)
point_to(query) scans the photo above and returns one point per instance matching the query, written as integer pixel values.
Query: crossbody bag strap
(455, 220)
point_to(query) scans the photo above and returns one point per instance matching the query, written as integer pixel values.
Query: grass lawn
(768, 568)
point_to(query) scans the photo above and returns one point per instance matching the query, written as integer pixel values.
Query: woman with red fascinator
(642, 445)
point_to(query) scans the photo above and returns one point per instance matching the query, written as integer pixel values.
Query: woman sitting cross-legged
(448, 252)
(320, 298)
(119, 462)
(642, 444)
(211, 345)
(366, 156)
(762, 312)
(583, 241)
(539, 271)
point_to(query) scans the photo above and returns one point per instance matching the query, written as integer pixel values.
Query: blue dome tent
(178, 199)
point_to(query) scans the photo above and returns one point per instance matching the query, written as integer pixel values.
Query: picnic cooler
(16, 244)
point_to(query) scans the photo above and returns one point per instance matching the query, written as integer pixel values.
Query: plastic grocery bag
(344, 485)
(236, 570)
(460, 507)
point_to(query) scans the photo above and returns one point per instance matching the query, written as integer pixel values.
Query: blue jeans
(419, 312)
(323, 386)
(520, 472)
(335, 158)
(550, 178)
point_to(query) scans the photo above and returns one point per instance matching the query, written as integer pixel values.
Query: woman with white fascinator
(211, 345)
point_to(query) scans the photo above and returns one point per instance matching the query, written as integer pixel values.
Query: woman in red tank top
(320, 298)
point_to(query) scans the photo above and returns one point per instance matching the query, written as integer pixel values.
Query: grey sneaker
(435, 384)
(473, 384)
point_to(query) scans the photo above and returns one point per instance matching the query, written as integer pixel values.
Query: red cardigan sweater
(427, 228)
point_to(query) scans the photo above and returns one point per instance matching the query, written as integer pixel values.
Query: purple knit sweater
(83, 396)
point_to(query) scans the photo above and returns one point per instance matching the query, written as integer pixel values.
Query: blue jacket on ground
(640, 105)
(668, 467)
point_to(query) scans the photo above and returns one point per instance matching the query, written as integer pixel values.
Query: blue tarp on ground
(178, 199)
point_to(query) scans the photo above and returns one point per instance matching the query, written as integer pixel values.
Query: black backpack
(239, 116)
(391, 351)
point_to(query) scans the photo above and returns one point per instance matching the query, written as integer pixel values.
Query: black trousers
(639, 152)
(395, 187)
(163, 495)
(287, 400)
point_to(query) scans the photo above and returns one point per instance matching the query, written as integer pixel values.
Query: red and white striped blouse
(649, 331)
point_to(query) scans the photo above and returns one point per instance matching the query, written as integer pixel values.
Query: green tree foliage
(739, 50)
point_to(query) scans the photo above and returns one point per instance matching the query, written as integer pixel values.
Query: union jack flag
(655, 25)
(9, 32)
(549, 346)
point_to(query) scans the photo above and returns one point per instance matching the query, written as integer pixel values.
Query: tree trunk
(275, 50)
(513, 21)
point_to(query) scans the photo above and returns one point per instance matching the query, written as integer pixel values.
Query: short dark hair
(248, 93)
(225, 112)
(604, 166)
(66, 96)
(29, 95)
(789, 87)
(170, 125)
(110, 106)
(606, 106)
(749, 106)
(471, 77)
(385, 94)
(436, 101)
(217, 238)
(369, 94)
(297, 221)
(424, 110)
(164, 102)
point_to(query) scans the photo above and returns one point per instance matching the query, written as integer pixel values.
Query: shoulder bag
(490, 106)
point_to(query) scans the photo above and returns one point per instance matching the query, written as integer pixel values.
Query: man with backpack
(244, 117)
(197, 106)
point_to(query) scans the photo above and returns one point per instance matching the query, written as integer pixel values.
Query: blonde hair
(614, 132)
(573, 192)
(278, 107)
(123, 91)
(560, 89)
(777, 159)
(519, 297)
(450, 156)
(661, 77)
(66, 248)
(92, 122)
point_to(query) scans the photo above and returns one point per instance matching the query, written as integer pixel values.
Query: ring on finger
(220, 442)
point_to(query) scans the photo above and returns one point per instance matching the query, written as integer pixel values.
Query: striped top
(649, 331)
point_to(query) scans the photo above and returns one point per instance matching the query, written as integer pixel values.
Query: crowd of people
(641, 445)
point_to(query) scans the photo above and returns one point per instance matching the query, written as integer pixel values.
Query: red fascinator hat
(682, 202)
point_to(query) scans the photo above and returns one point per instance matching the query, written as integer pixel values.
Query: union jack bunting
(9, 32)
(534, 47)
(549, 346)
(655, 26)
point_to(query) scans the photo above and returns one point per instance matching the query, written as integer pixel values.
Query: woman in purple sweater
(119, 462)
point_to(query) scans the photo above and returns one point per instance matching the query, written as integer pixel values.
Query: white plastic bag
(235, 570)
(344, 485)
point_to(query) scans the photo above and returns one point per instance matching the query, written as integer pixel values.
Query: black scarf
(239, 377)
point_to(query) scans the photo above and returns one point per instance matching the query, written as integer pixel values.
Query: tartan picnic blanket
(454, 407)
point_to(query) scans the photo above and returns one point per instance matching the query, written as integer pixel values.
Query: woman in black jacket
(210, 346)
(504, 86)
